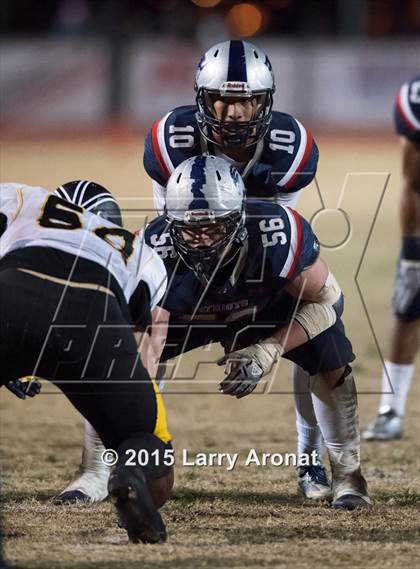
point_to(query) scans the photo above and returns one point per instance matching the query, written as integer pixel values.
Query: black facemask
(227, 133)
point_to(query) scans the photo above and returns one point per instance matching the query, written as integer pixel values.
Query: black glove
(23, 388)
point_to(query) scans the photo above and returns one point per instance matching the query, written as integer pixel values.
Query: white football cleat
(313, 483)
(387, 426)
(91, 485)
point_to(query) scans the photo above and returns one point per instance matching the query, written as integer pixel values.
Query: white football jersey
(33, 217)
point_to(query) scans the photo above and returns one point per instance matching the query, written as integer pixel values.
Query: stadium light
(245, 20)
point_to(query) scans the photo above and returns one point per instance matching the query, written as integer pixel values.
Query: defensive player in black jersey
(404, 340)
(73, 287)
(275, 154)
(252, 274)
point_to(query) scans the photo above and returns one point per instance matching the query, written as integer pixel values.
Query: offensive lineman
(73, 286)
(253, 275)
(276, 156)
(404, 340)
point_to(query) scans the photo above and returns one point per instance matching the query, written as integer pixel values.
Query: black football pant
(79, 339)
(328, 351)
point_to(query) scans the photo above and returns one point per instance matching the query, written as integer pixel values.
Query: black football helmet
(92, 197)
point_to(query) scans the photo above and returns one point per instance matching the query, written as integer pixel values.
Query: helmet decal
(234, 173)
(198, 175)
(237, 63)
(268, 63)
(202, 62)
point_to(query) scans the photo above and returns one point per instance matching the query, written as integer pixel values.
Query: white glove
(244, 368)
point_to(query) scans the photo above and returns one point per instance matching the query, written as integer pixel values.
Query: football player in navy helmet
(250, 271)
(404, 341)
(275, 154)
(233, 117)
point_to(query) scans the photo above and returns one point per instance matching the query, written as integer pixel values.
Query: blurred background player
(275, 154)
(404, 341)
(250, 271)
(73, 287)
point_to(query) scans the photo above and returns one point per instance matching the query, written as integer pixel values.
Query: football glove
(24, 387)
(244, 368)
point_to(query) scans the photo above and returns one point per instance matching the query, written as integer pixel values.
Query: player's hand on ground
(23, 388)
(243, 372)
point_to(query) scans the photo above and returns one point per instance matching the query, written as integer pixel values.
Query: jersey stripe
(302, 155)
(159, 146)
(404, 108)
(156, 149)
(299, 243)
(296, 244)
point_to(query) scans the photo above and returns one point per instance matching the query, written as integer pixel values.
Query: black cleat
(351, 502)
(351, 492)
(136, 512)
(71, 497)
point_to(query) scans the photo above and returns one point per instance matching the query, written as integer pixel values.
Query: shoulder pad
(407, 110)
(281, 238)
(171, 140)
(292, 151)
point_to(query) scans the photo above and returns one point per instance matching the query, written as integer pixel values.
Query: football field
(250, 516)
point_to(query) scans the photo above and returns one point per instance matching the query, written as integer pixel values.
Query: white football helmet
(206, 215)
(234, 69)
